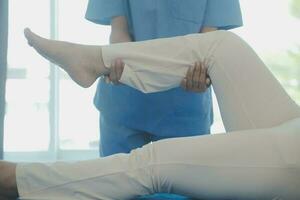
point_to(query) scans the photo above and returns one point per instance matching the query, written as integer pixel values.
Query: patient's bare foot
(82, 62)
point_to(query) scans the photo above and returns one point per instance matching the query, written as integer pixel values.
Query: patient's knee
(228, 35)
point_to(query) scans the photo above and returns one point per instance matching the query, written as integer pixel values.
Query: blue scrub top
(175, 112)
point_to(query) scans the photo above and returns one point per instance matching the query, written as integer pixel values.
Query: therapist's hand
(197, 79)
(116, 70)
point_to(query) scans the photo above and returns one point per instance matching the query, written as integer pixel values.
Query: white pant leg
(160, 64)
(249, 96)
(260, 164)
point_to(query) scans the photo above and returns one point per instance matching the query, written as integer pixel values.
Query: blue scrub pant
(118, 138)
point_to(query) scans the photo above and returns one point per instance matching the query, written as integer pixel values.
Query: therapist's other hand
(116, 70)
(197, 79)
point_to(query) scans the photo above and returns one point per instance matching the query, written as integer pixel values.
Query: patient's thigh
(248, 94)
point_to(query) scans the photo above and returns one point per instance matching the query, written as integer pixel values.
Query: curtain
(3, 65)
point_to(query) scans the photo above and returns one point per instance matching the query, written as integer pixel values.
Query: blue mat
(164, 197)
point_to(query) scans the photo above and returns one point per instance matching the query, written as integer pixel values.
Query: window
(45, 109)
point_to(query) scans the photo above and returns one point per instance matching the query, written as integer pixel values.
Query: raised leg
(248, 94)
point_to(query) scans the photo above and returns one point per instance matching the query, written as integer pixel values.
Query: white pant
(258, 159)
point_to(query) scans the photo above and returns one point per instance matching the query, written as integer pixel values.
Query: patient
(255, 109)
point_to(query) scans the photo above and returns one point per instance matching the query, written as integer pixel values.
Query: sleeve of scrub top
(102, 11)
(223, 14)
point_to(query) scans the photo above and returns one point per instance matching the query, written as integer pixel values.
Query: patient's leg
(261, 164)
(248, 95)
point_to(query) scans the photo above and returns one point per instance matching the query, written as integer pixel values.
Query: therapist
(129, 118)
